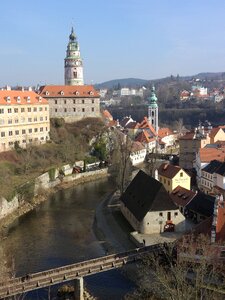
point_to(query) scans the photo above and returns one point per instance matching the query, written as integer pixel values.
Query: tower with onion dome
(73, 62)
(153, 110)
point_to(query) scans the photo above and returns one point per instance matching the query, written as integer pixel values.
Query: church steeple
(153, 109)
(73, 62)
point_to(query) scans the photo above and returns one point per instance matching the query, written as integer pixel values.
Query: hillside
(126, 82)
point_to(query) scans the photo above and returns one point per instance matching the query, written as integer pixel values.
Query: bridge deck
(50, 277)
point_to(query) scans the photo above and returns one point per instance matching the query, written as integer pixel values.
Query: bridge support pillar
(79, 288)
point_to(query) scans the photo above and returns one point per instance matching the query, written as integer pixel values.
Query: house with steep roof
(72, 103)
(181, 197)
(216, 134)
(148, 207)
(167, 136)
(138, 153)
(171, 176)
(144, 138)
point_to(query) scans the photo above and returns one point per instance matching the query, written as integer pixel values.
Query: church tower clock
(153, 110)
(73, 62)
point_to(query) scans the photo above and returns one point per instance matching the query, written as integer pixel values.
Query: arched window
(75, 74)
(152, 113)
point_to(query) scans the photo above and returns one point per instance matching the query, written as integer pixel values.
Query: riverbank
(67, 182)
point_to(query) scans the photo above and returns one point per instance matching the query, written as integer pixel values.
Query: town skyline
(128, 39)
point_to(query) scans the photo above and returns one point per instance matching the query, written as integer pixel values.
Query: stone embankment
(43, 186)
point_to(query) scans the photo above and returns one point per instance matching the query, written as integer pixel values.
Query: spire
(153, 99)
(72, 35)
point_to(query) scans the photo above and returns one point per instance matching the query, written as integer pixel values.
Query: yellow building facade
(24, 118)
(171, 176)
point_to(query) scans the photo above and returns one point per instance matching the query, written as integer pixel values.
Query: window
(176, 214)
(64, 101)
(22, 109)
(65, 110)
(35, 109)
(35, 119)
(35, 130)
(75, 74)
(10, 121)
(83, 109)
(2, 134)
(46, 108)
(169, 216)
(41, 118)
(74, 101)
(55, 101)
(10, 133)
(160, 214)
(92, 109)
(29, 119)
(56, 110)
(23, 131)
(16, 121)
(41, 129)
(17, 132)
(29, 109)
(9, 110)
(30, 130)
(15, 110)
(93, 101)
(181, 174)
(1, 110)
(30, 140)
(74, 109)
(40, 108)
(164, 180)
(46, 118)
(168, 182)
(46, 128)
(23, 141)
(82, 101)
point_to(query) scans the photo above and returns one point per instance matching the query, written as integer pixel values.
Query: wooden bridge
(39, 280)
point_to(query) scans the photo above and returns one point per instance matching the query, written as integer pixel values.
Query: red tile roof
(162, 132)
(181, 196)
(66, 91)
(106, 114)
(143, 137)
(25, 98)
(145, 124)
(214, 131)
(208, 154)
(168, 170)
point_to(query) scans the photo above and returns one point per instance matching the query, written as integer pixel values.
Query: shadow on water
(59, 232)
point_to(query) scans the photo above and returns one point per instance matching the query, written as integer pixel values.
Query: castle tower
(73, 62)
(153, 110)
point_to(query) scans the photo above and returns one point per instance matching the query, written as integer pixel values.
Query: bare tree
(120, 159)
(185, 271)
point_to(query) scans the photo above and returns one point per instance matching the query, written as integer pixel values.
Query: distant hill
(136, 82)
(126, 82)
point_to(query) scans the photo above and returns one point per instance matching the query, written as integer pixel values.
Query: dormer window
(18, 99)
(47, 93)
(77, 93)
(8, 99)
(91, 93)
(40, 99)
(28, 99)
(62, 93)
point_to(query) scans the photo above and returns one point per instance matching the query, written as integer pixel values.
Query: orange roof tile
(208, 154)
(162, 132)
(107, 114)
(145, 124)
(51, 91)
(14, 97)
(143, 137)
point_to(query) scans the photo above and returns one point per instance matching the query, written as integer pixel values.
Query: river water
(59, 232)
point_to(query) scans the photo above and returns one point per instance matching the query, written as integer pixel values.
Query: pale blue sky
(118, 38)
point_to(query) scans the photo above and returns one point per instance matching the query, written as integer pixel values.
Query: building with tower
(73, 62)
(153, 110)
(74, 100)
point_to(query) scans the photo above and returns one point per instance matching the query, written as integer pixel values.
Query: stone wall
(7, 207)
(50, 180)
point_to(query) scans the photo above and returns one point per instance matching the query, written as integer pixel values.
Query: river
(59, 232)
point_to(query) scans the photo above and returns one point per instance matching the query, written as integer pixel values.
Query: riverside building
(24, 118)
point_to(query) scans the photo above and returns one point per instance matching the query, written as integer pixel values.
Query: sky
(145, 39)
